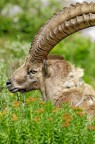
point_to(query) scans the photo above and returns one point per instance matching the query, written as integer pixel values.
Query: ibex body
(56, 78)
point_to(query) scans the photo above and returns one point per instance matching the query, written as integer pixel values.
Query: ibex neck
(55, 86)
(55, 89)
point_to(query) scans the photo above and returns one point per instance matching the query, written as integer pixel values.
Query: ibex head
(38, 68)
(27, 77)
(32, 76)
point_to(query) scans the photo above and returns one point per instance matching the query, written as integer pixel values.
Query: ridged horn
(64, 23)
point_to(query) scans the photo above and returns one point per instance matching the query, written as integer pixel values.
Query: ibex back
(56, 78)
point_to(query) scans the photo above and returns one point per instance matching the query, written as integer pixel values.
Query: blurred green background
(21, 20)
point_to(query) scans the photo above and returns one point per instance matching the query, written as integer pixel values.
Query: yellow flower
(14, 117)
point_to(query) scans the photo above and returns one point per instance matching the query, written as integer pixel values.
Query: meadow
(25, 118)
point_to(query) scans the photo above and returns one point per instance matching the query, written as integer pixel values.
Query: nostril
(8, 82)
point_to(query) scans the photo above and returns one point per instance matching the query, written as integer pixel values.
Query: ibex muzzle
(54, 77)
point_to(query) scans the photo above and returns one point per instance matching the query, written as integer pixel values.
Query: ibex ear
(45, 68)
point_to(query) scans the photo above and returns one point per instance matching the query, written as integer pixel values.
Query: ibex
(57, 79)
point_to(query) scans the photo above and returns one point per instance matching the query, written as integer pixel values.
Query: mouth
(14, 90)
(22, 90)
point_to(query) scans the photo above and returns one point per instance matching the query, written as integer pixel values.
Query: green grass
(36, 122)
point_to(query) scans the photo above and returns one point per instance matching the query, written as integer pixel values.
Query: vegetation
(26, 22)
(25, 119)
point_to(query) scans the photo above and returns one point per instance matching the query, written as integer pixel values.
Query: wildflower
(49, 119)
(80, 114)
(36, 119)
(39, 110)
(16, 104)
(42, 103)
(91, 127)
(56, 109)
(66, 124)
(67, 117)
(14, 117)
(30, 99)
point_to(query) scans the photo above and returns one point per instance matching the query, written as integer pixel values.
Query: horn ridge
(64, 23)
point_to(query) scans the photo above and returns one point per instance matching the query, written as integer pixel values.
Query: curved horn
(64, 23)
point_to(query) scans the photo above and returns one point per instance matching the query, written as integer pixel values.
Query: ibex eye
(32, 72)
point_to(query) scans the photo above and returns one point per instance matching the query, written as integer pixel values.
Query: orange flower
(14, 117)
(16, 104)
(42, 103)
(49, 119)
(91, 127)
(36, 119)
(67, 117)
(30, 99)
(39, 110)
(80, 114)
(66, 124)
(56, 109)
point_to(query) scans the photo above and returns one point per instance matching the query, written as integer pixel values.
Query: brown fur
(78, 97)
